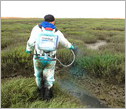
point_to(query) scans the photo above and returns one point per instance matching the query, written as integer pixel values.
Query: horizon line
(56, 18)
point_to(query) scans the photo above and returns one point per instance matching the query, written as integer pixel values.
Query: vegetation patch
(110, 67)
(22, 93)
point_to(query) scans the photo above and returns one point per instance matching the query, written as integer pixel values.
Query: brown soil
(112, 96)
(96, 45)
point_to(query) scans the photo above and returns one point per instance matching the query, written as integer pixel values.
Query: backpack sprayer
(47, 42)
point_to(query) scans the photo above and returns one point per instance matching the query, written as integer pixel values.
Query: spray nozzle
(75, 50)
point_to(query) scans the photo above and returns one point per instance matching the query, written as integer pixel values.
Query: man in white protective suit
(44, 40)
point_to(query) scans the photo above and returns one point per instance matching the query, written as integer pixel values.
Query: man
(44, 68)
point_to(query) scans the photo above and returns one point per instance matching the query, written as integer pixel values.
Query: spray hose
(54, 59)
(68, 64)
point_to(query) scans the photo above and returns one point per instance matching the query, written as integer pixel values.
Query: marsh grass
(108, 62)
(113, 48)
(22, 92)
(109, 67)
(16, 61)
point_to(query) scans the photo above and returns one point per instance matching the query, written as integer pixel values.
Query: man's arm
(31, 42)
(64, 41)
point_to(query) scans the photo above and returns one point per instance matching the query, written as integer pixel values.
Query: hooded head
(49, 18)
(49, 22)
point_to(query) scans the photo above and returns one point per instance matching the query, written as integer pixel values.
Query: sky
(63, 9)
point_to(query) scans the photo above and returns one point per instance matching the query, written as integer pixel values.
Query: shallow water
(86, 98)
(96, 45)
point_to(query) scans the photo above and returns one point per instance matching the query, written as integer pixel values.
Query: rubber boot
(51, 92)
(48, 94)
(42, 91)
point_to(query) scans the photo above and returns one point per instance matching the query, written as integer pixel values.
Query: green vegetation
(22, 92)
(105, 63)
(16, 61)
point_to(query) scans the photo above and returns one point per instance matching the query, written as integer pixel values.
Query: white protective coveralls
(44, 67)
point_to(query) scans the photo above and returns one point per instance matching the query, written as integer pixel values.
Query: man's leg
(48, 75)
(37, 72)
(38, 67)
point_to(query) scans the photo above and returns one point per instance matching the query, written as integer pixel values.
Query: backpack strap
(56, 30)
(40, 26)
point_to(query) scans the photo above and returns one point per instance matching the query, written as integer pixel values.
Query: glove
(29, 52)
(72, 47)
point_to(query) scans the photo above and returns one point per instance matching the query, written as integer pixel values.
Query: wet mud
(85, 97)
